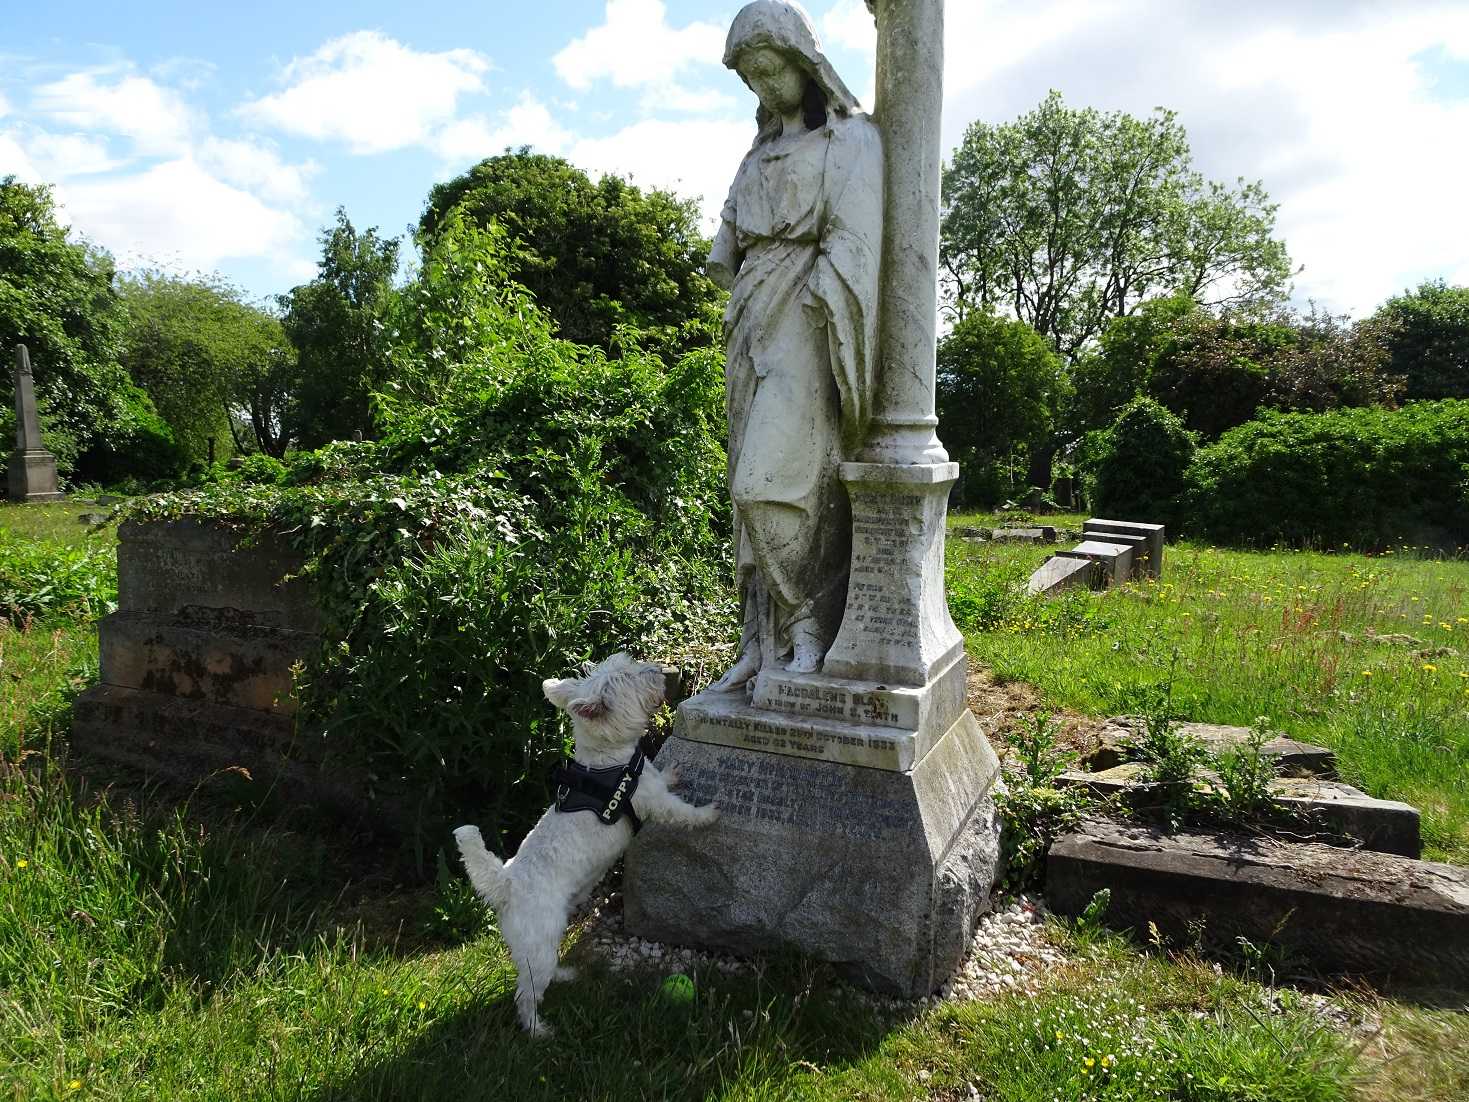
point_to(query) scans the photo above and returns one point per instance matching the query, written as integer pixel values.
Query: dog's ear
(589, 707)
(560, 692)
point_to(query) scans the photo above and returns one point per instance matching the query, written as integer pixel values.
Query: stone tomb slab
(1350, 910)
(881, 873)
(1150, 561)
(1060, 573)
(1115, 558)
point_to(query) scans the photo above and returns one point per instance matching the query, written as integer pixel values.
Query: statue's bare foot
(747, 667)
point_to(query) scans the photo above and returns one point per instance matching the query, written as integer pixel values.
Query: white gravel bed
(1009, 947)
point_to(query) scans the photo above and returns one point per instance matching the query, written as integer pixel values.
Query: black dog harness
(606, 792)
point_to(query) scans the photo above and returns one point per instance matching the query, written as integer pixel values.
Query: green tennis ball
(679, 988)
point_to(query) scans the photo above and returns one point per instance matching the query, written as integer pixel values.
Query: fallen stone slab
(1115, 558)
(972, 531)
(1345, 910)
(1059, 573)
(1385, 826)
(1042, 534)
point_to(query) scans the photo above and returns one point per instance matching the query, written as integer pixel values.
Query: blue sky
(209, 137)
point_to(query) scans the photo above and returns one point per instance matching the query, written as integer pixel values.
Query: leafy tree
(1134, 470)
(999, 384)
(1215, 369)
(1069, 218)
(57, 298)
(1430, 342)
(201, 352)
(336, 324)
(596, 256)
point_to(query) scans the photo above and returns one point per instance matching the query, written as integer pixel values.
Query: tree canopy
(1429, 341)
(595, 256)
(202, 352)
(999, 384)
(1069, 218)
(1214, 369)
(336, 324)
(57, 298)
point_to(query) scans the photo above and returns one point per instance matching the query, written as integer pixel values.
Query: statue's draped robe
(802, 232)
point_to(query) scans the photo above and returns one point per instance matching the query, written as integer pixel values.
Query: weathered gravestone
(32, 467)
(858, 824)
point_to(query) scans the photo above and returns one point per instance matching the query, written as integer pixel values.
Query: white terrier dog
(587, 829)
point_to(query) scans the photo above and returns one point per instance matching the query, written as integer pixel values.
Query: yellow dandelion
(75, 1085)
(1060, 1036)
(1366, 673)
(1431, 669)
(22, 863)
(422, 1005)
(1089, 1061)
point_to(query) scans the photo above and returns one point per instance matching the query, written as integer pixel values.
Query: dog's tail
(486, 871)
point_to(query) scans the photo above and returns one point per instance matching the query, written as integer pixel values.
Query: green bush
(39, 581)
(1359, 476)
(528, 504)
(141, 451)
(1135, 469)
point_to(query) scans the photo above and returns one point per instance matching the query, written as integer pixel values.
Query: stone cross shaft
(908, 112)
(27, 420)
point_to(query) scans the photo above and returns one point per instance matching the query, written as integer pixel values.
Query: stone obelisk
(32, 467)
(858, 819)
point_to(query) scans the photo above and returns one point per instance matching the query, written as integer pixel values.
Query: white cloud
(849, 24)
(256, 168)
(119, 102)
(56, 156)
(4, 105)
(635, 47)
(14, 162)
(177, 210)
(371, 92)
(529, 122)
(691, 158)
(187, 72)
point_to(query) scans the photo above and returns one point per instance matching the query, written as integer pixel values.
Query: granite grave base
(881, 873)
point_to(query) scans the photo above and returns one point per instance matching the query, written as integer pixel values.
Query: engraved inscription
(834, 703)
(879, 598)
(784, 791)
(759, 735)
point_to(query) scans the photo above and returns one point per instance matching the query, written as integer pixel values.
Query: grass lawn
(153, 950)
(1369, 656)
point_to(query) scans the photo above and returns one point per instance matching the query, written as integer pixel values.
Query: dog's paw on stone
(673, 775)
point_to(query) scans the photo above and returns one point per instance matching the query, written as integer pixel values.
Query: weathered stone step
(1346, 910)
(1386, 826)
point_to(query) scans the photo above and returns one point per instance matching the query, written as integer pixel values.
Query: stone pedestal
(881, 872)
(33, 477)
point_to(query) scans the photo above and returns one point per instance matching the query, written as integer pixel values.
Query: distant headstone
(32, 467)
(1060, 573)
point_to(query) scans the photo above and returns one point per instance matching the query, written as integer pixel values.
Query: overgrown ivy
(529, 504)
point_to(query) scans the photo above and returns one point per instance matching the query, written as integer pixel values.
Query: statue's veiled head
(773, 45)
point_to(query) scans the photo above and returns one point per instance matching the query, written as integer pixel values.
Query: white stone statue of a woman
(798, 249)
